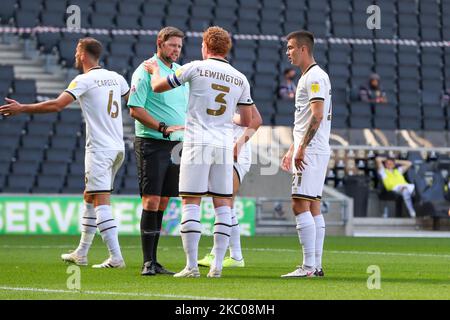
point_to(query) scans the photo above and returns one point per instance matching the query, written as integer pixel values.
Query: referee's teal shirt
(169, 107)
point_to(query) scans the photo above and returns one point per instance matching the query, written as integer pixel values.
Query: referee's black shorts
(157, 174)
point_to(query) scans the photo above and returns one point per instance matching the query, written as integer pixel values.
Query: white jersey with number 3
(314, 85)
(100, 92)
(215, 89)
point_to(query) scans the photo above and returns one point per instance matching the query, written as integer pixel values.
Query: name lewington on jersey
(221, 76)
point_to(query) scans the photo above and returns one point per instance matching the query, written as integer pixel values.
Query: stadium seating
(413, 76)
(350, 64)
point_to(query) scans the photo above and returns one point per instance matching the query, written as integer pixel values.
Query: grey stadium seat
(105, 6)
(26, 19)
(53, 19)
(30, 154)
(7, 10)
(34, 141)
(55, 6)
(25, 167)
(48, 184)
(67, 143)
(360, 122)
(4, 166)
(19, 183)
(60, 155)
(57, 168)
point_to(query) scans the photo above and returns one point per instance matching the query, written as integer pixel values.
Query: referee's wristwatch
(162, 128)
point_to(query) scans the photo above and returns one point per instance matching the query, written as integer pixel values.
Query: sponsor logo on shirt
(315, 87)
(72, 85)
(179, 72)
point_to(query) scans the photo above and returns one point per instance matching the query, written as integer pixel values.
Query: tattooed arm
(314, 124)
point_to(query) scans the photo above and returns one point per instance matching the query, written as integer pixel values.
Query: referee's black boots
(161, 270)
(151, 268)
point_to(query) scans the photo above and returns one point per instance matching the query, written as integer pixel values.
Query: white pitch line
(381, 253)
(111, 293)
(377, 253)
(404, 254)
(12, 246)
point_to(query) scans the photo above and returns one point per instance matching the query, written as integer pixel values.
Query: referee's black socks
(149, 234)
(159, 225)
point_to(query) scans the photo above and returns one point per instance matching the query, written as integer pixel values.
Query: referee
(159, 119)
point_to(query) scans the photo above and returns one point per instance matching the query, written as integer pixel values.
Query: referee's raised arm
(159, 123)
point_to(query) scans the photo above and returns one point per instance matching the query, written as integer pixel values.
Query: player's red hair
(217, 41)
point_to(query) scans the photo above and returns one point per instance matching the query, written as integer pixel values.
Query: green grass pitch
(30, 268)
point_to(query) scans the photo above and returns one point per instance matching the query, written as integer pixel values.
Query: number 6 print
(110, 104)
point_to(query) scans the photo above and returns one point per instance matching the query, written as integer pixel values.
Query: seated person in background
(287, 88)
(372, 92)
(394, 181)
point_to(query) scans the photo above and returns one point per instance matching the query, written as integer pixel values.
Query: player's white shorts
(100, 170)
(308, 184)
(206, 170)
(242, 166)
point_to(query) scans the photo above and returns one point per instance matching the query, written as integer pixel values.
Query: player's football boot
(301, 272)
(159, 269)
(110, 263)
(148, 269)
(206, 261)
(319, 273)
(188, 273)
(72, 257)
(214, 273)
(229, 262)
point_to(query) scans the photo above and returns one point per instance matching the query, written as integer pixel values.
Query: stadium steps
(28, 64)
(403, 234)
(273, 229)
(384, 226)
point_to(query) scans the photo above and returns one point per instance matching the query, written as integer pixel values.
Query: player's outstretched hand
(11, 109)
(150, 65)
(286, 162)
(172, 129)
(299, 160)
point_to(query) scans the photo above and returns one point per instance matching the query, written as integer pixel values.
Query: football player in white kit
(309, 155)
(243, 161)
(99, 93)
(216, 88)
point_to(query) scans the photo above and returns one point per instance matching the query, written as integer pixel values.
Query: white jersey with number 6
(216, 88)
(100, 92)
(314, 85)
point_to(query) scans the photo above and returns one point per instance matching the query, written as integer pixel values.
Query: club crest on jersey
(133, 88)
(315, 87)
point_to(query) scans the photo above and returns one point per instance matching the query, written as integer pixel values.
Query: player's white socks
(320, 237)
(88, 229)
(306, 229)
(108, 229)
(191, 231)
(222, 231)
(235, 239)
